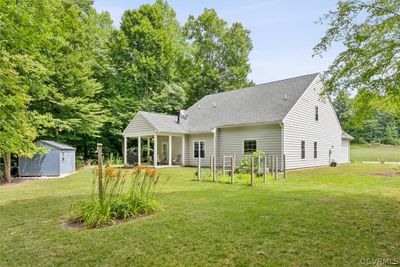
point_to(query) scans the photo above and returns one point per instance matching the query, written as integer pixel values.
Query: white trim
(125, 150)
(249, 139)
(139, 150)
(205, 151)
(155, 156)
(143, 134)
(183, 151)
(282, 142)
(170, 150)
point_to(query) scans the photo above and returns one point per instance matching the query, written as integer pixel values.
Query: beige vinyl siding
(300, 124)
(209, 148)
(230, 140)
(139, 126)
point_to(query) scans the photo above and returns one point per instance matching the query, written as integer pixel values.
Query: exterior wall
(300, 125)
(139, 126)
(209, 143)
(230, 140)
(41, 165)
(68, 165)
(345, 150)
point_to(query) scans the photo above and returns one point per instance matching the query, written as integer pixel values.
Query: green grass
(318, 217)
(375, 153)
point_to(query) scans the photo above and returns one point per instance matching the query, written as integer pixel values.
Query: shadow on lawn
(306, 226)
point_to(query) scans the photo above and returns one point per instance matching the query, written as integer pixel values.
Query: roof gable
(146, 123)
(260, 104)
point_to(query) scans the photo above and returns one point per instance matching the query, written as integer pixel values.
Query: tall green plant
(125, 194)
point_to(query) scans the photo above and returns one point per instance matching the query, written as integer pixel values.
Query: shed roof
(57, 145)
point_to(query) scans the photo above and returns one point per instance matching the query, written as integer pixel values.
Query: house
(287, 117)
(59, 160)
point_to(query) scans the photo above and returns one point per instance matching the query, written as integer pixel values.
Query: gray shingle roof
(165, 123)
(57, 145)
(258, 104)
(263, 103)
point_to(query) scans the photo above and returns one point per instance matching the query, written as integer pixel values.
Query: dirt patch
(81, 225)
(14, 182)
(387, 173)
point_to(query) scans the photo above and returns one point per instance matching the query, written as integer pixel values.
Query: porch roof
(148, 123)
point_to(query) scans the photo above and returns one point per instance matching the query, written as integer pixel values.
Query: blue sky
(283, 31)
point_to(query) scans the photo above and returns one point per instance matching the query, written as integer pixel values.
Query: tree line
(67, 74)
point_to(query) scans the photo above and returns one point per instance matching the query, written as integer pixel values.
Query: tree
(17, 132)
(370, 63)
(218, 58)
(67, 38)
(145, 57)
(170, 100)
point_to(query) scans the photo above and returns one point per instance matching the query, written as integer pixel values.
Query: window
(62, 156)
(303, 149)
(315, 150)
(249, 146)
(316, 113)
(199, 148)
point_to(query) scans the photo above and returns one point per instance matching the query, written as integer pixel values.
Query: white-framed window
(316, 113)
(315, 150)
(249, 146)
(303, 149)
(199, 149)
(62, 156)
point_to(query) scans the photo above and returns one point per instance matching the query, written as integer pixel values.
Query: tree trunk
(7, 166)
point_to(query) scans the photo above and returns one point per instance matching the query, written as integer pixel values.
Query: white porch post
(170, 150)
(139, 150)
(155, 150)
(125, 150)
(148, 151)
(215, 143)
(183, 151)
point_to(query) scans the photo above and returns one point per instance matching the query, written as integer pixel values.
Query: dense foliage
(370, 63)
(66, 74)
(377, 127)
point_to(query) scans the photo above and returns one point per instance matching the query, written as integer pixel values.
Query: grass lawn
(374, 153)
(319, 217)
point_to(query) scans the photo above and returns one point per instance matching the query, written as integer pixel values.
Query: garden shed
(59, 160)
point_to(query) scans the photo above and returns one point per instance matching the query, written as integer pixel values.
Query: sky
(283, 32)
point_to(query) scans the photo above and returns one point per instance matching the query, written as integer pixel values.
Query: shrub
(125, 194)
(245, 162)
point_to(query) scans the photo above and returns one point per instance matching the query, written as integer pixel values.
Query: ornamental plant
(124, 194)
